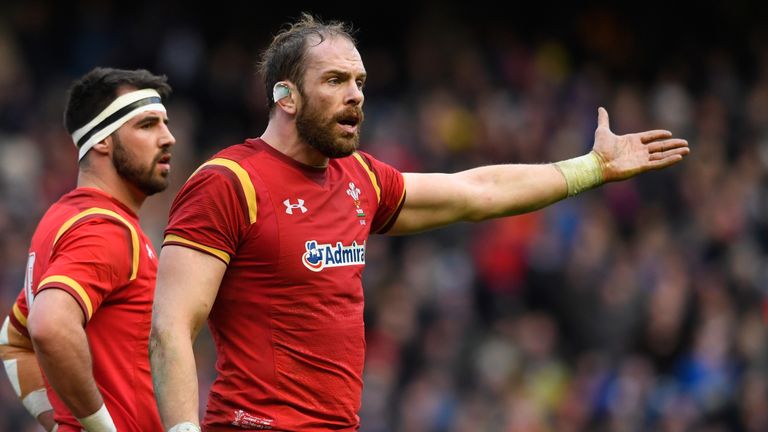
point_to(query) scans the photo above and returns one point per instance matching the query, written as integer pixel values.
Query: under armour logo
(289, 207)
(149, 252)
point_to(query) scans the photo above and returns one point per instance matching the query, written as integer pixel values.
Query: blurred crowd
(638, 306)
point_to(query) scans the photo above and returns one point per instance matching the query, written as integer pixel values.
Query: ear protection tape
(279, 91)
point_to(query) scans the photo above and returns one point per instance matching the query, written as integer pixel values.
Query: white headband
(115, 115)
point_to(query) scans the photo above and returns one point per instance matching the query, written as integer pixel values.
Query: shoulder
(84, 212)
(97, 224)
(226, 180)
(234, 163)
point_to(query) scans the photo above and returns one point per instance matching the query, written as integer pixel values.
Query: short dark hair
(285, 57)
(94, 91)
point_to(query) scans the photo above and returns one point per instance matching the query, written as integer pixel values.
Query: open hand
(625, 156)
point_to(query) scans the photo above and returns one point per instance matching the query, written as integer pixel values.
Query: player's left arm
(435, 200)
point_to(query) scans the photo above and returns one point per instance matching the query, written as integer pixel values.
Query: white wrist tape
(100, 421)
(185, 427)
(581, 173)
(36, 402)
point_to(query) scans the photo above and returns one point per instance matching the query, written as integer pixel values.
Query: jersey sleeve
(212, 211)
(392, 192)
(19, 313)
(91, 260)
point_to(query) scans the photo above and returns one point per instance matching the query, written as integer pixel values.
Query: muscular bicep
(432, 200)
(187, 283)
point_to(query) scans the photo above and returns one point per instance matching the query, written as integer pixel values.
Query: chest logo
(319, 256)
(290, 207)
(354, 192)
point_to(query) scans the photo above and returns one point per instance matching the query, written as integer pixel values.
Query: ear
(104, 146)
(283, 93)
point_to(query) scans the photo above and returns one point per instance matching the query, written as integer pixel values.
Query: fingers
(653, 135)
(664, 145)
(667, 161)
(602, 118)
(668, 157)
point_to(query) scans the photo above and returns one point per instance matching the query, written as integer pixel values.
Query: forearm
(505, 190)
(174, 376)
(24, 374)
(187, 283)
(435, 200)
(65, 358)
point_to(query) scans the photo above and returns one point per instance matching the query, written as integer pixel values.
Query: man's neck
(114, 186)
(285, 139)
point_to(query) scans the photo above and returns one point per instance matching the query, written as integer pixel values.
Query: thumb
(602, 118)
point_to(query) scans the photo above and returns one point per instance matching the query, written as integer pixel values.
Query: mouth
(349, 123)
(164, 161)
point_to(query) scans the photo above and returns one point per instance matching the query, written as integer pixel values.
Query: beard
(321, 134)
(131, 171)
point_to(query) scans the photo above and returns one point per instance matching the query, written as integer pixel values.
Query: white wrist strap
(185, 427)
(36, 402)
(100, 421)
(581, 173)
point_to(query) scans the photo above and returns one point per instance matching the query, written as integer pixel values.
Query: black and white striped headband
(115, 115)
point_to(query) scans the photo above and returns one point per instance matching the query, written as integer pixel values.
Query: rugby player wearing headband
(267, 241)
(83, 315)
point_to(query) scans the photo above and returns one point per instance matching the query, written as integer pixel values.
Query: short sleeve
(211, 212)
(90, 261)
(392, 193)
(19, 313)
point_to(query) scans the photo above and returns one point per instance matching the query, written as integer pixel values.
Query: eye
(334, 81)
(360, 84)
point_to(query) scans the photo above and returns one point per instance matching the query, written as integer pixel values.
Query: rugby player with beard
(266, 241)
(83, 315)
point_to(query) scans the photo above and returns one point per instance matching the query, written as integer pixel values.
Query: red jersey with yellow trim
(91, 246)
(288, 316)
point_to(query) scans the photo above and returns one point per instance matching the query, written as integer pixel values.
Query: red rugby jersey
(288, 316)
(91, 246)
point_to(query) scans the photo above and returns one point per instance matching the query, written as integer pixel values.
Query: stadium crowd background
(634, 307)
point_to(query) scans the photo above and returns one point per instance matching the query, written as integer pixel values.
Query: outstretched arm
(435, 200)
(187, 284)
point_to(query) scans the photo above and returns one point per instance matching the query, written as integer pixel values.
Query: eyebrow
(344, 74)
(151, 118)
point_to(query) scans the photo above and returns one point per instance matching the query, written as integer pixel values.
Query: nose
(355, 95)
(166, 139)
